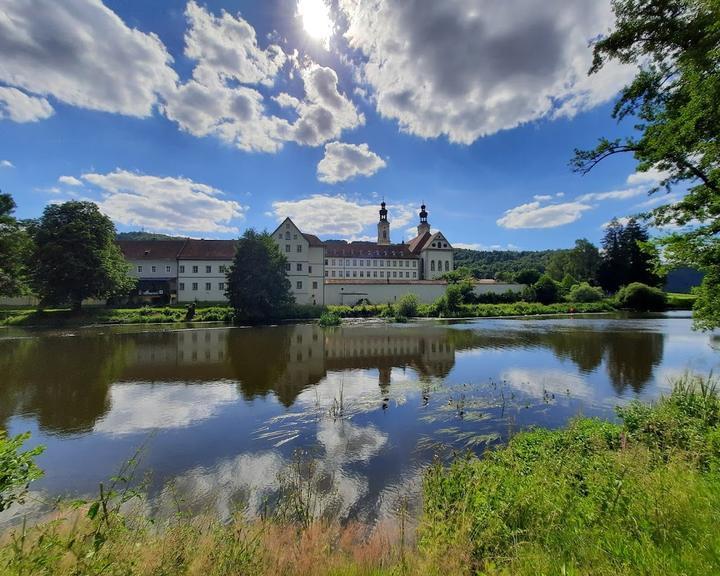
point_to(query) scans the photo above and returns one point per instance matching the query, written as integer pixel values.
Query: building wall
(144, 268)
(306, 265)
(382, 268)
(192, 285)
(381, 293)
(443, 262)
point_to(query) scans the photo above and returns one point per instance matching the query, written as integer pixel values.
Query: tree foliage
(546, 290)
(257, 286)
(641, 297)
(17, 469)
(15, 245)
(673, 101)
(75, 256)
(626, 256)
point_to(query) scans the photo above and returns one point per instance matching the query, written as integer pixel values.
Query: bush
(329, 319)
(546, 290)
(407, 306)
(641, 297)
(17, 469)
(585, 293)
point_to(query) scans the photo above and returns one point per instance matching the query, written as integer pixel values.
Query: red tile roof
(313, 240)
(208, 250)
(151, 249)
(342, 249)
(417, 243)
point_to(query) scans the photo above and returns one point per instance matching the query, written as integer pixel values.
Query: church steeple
(423, 226)
(383, 226)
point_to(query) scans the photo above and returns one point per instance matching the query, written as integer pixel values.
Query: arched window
(447, 265)
(432, 265)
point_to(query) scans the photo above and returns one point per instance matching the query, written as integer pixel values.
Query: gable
(289, 232)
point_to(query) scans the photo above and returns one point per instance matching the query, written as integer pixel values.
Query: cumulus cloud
(82, 53)
(222, 97)
(6, 164)
(534, 215)
(325, 214)
(345, 161)
(465, 69)
(652, 177)
(165, 203)
(17, 106)
(70, 181)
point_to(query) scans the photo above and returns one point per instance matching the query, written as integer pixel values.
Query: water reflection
(64, 382)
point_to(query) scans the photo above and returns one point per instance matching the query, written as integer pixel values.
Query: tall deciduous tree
(257, 285)
(75, 256)
(673, 101)
(625, 257)
(584, 261)
(15, 246)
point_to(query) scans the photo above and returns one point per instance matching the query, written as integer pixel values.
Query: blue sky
(203, 119)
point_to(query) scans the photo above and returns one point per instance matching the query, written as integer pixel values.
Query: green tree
(583, 261)
(527, 277)
(558, 265)
(75, 256)
(546, 290)
(626, 257)
(257, 285)
(15, 246)
(673, 103)
(17, 469)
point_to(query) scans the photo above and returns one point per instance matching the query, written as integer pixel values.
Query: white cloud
(82, 53)
(485, 247)
(17, 106)
(622, 221)
(70, 181)
(467, 68)
(533, 215)
(325, 214)
(622, 194)
(6, 164)
(542, 197)
(345, 161)
(652, 177)
(165, 203)
(221, 98)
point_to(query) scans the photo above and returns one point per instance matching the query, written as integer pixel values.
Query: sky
(205, 118)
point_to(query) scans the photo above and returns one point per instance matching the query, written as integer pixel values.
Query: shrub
(585, 293)
(546, 290)
(17, 469)
(329, 319)
(641, 297)
(567, 283)
(407, 306)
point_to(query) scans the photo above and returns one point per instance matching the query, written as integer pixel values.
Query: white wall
(349, 293)
(215, 277)
(161, 268)
(306, 263)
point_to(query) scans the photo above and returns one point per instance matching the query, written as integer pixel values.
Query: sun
(316, 21)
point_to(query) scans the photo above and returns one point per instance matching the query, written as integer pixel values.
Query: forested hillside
(488, 264)
(139, 235)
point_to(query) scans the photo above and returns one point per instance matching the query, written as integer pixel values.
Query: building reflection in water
(64, 381)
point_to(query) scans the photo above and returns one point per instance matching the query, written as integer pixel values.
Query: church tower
(383, 227)
(423, 226)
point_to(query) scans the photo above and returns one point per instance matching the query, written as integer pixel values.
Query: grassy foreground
(595, 498)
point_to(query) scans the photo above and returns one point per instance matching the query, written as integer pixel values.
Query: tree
(558, 265)
(527, 277)
(546, 290)
(17, 469)
(626, 256)
(673, 102)
(75, 256)
(15, 245)
(583, 261)
(257, 285)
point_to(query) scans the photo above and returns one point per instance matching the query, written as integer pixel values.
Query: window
(354, 273)
(287, 247)
(208, 269)
(447, 265)
(222, 268)
(194, 286)
(287, 235)
(354, 262)
(326, 262)
(153, 268)
(382, 273)
(294, 236)
(298, 285)
(195, 269)
(326, 272)
(298, 267)
(362, 274)
(394, 263)
(340, 273)
(309, 269)
(168, 269)
(382, 262)
(221, 285)
(374, 262)
(139, 269)
(432, 265)
(414, 274)
(374, 273)
(333, 262)
(414, 263)
(394, 274)
(433, 244)
(407, 263)
(407, 274)
(208, 286)
(182, 286)
(333, 273)
(299, 247)
(347, 262)
(314, 285)
(182, 268)
(287, 266)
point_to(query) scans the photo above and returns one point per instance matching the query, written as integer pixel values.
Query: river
(220, 414)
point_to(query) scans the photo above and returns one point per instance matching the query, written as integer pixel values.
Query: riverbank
(64, 318)
(641, 496)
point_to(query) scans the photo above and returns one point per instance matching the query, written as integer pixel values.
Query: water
(222, 412)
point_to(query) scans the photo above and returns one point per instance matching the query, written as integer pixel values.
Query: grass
(638, 497)
(678, 301)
